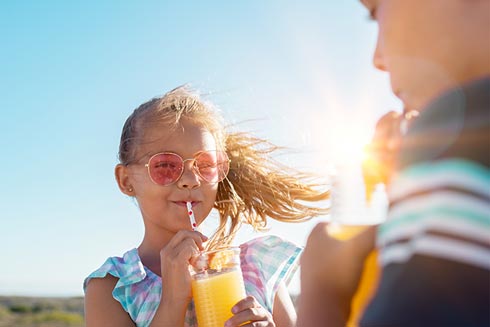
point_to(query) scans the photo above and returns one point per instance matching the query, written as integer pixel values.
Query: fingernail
(234, 310)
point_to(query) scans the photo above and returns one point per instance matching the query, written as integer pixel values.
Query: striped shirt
(435, 246)
(265, 262)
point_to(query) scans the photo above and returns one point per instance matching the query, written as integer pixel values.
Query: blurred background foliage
(41, 312)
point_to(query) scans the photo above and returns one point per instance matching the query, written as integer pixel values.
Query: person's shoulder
(126, 267)
(101, 308)
(101, 287)
(107, 300)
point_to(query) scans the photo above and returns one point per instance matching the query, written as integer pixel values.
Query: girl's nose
(189, 179)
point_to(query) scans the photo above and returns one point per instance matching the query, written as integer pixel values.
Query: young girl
(175, 150)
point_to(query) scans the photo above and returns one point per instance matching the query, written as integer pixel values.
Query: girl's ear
(123, 180)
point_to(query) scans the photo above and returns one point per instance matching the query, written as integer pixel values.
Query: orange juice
(215, 295)
(369, 278)
(217, 285)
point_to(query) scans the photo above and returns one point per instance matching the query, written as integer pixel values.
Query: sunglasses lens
(213, 166)
(165, 168)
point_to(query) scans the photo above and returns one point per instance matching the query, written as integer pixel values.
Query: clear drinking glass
(217, 285)
(356, 206)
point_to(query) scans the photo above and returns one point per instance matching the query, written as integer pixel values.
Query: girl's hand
(250, 313)
(176, 278)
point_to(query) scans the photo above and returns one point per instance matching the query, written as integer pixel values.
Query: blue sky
(296, 73)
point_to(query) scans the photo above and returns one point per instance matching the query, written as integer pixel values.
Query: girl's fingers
(175, 257)
(248, 302)
(257, 324)
(251, 312)
(186, 234)
(182, 247)
(251, 317)
(185, 249)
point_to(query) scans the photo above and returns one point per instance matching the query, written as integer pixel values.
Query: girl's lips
(184, 203)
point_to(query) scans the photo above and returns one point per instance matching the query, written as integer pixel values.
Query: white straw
(191, 216)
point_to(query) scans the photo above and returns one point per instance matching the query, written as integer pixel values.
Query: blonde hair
(256, 186)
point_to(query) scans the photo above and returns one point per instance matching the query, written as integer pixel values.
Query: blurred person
(434, 248)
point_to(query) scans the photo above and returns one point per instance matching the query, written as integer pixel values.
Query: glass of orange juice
(356, 206)
(217, 285)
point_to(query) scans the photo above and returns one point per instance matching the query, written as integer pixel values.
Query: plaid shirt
(265, 262)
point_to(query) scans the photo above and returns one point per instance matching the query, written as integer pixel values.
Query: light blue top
(265, 262)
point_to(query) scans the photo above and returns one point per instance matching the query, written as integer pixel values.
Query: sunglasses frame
(195, 169)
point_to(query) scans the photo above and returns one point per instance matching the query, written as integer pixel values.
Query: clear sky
(298, 73)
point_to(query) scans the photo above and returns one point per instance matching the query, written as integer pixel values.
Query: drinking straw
(191, 216)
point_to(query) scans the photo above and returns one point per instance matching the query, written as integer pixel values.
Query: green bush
(20, 308)
(16, 311)
(57, 316)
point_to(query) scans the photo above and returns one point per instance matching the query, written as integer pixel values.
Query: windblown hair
(256, 186)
